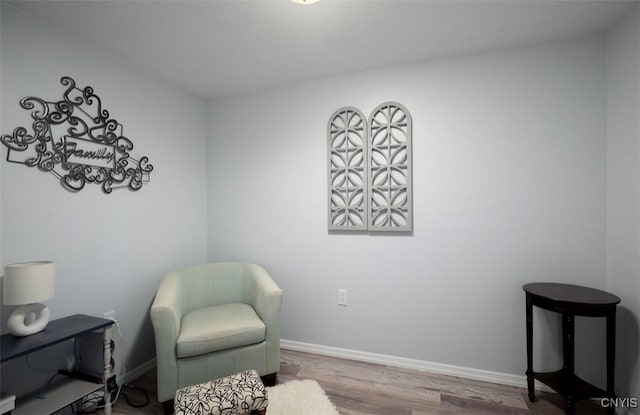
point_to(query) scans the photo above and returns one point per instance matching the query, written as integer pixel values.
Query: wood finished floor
(358, 388)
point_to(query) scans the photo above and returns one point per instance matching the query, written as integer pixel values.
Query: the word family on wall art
(369, 163)
(76, 140)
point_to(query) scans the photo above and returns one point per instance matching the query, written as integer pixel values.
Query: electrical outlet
(111, 315)
(342, 296)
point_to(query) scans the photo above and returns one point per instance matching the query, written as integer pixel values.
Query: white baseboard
(136, 372)
(422, 365)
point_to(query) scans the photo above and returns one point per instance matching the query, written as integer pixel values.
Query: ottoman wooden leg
(270, 380)
(261, 412)
(167, 407)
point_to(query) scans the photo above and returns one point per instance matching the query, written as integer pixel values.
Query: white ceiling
(214, 48)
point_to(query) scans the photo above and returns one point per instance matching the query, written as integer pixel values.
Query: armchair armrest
(266, 296)
(267, 301)
(165, 317)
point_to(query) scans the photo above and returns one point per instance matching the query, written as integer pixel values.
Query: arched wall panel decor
(76, 140)
(347, 139)
(369, 169)
(390, 170)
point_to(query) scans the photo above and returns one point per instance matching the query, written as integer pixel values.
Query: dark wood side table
(571, 301)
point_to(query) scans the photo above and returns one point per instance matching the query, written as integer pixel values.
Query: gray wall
(110, 250)
(509, 187)
(1, 132)
(623, 194)
(525, 168)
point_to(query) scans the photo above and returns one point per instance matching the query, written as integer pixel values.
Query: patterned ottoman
(242, 393)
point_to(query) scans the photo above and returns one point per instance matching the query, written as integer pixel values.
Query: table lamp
(27, 284)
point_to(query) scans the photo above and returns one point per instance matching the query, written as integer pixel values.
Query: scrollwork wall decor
(77, 141)
(370, 169)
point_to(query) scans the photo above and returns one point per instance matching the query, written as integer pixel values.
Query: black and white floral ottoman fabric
(242, 393)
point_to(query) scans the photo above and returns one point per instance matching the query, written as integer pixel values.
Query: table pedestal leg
(529, 373)
(611, 357)
(568, 341)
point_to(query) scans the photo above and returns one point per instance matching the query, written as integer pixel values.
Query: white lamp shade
(28, 282)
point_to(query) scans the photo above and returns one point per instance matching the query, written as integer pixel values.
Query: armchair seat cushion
(220, 327)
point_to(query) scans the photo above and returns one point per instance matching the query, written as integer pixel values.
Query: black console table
(571, 301)
(62, 393)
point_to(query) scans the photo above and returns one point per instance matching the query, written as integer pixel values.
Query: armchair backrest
(216, 283)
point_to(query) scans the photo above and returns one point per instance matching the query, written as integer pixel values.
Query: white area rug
(299, 397)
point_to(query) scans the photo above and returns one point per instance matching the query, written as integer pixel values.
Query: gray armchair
(214, 320)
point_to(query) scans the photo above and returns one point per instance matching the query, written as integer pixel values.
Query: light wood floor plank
(360, 388)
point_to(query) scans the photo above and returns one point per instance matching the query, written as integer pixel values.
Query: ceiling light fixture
(305, 2)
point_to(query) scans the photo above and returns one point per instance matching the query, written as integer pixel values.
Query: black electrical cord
(90, 403)
(134, 404)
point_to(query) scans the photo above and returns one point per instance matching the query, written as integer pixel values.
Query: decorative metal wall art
(76, 140)
(347, 142)
(390, 168)
(369, 169)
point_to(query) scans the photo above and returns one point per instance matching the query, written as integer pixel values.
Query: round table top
(571, 293)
